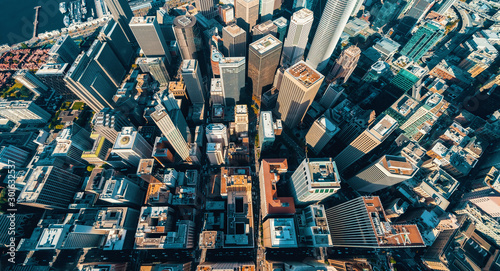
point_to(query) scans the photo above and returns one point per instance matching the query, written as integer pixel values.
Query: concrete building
(263, 29)
(23, 112)
(331, 95)
(112, 34)
(263, 60)
(234, 41)
(30, 81)
(215, 154)
(217, 133)
(426, 112)
(122, 14)
(333, 20)
(109, 123)
(188, 36)
(315, 179)
(296, 40)
(13, 156)
(121, 190)
(299, 87)
(241, 119)
(321, 132)
(217, 95)
(226, 12)
(52, 75)
(232, 73)
(345, 64)
(282, 25)
(148, 34)
(361, 223)
(266, 9)
(131, 146)
(156, 67)
(266, 130)
(366, 142)
(270, 204)
(64, 50)
(208, 8)
(246, 13)
(173, 126)
(387, 171)
(193, 79)
(313, 227)
(279, 233)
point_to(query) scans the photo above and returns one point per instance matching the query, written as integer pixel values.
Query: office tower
(279, 233)
(109, 123)
(215, 153)
(217, 133)
(313, 227)
(241, 119)
(332, 23)
(215, 58)
(362, 223)
(131, 146)
(117, 40)
(232, 73)
(331, 95)
(424, 113)
(102, 54)
(407, 78)
(121, 190)
(476, 62)
(156, 67)
(386, 13)
(208, 8)
(52, 75)
(423, 40)
(23, 112)
(49, 187)
(217, 92)
(174, 127)
(282, 25)
(385, 172)
(13, 156)
(235, 40)
(366, 142)
(30, 81)
(261, 30)
(445, 6)
(148, 34)
(298, 33)
(413, 15)
(188, 36)
(88, 82)
(99, 152)
(378, 70)
(226, 12)
(314, 179)
(263, 59)
(246, 13)
(345, 64)
(266, 9)
(64, 50)
(266, 130)
(321, 132)
(122, 14)
(299, 87)
(71, 142)
(193, 79)
(269, 175)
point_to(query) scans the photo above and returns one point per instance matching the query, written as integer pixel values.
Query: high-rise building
(207, 7)
(64, 50)
(345, 64)
(423, 40)
(313, 227)
(246, 13)
(234, 40)
(282, 25)
(366, 142)
(279, 233)
(445, 6)
(13, 156)
(188, 36)
(174, 127)
(52, 75)
(131, 146)
(30, 81)
(296, 40)
(109, 123)
(193, 79)
(102, 54)
(332, 23)
(156, 67)
(407, 78)
(424, 113)
(266, 130)
(309, 4)
(121, 190)
(357, 7)
(217, 133)
(117, 39)
(263, 29)
(226, 12)
(122, 14)
(299, 87)
(148, 34)
(215, 153)
(23, 112)
(49, 187)
(263, 60)
(362, 223)
(232, 73)
(321, 132)
(241, 119)
(412, 14)
(331, 95)
(385, 172)
(217, 95)
(377, 71)
(266, 9)
(314, 179)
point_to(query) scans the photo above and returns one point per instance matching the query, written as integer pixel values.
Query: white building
(217, 133)
(131, 146)
(296, 40)
(121, 190)
(266, 130)
(215, 153)
(23, 112)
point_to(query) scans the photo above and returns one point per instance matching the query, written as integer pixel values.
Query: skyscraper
(299, 87)
(345, 64)
(23, 112)
(361, 222)
(296, 40)
(207, 7)
(235, 40)
(266, 130)
(191, 75)
(445, 6)
(232, 73)
(109, 123)
(320, 133)
(426, 112)
(314, 180)
(52, 75)
(103, 55)
(174, 127)
(150, 37)
(366, 142)
(331, 25)
(131, 146)
(282, 25)
(266, 9)
(156, 67)
(263, 60)
(215, 153)
(30, 81)
(385, 172)
(263, 29)
(246, 13)
(423, 40)
(331, 95)
(217, 133)
(187, 36)
(64, 50)
(116, 38)
(122, 14)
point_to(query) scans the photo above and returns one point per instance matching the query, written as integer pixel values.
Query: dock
(35, 23)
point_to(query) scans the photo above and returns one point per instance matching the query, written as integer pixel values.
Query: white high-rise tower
(296, 40)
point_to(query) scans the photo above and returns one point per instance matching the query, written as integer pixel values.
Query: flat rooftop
(143, 20)
(398, 165)
(323, 171)
(272, 168)
(234, 30)
(304, 74)
(265, 44)
(267, 124)
(385, 126)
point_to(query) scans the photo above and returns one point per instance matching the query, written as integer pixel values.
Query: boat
(62, 7)
(66, 20)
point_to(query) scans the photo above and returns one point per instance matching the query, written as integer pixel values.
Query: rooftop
(234, 29)
(323, 172)
(384, 126)
(266, 121)
(272, 168)
(282, 232)
(304, 74)
(265, 44)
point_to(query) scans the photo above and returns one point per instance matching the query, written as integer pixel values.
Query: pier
(35, 23)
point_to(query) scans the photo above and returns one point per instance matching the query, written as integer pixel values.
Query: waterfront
(16, 18)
